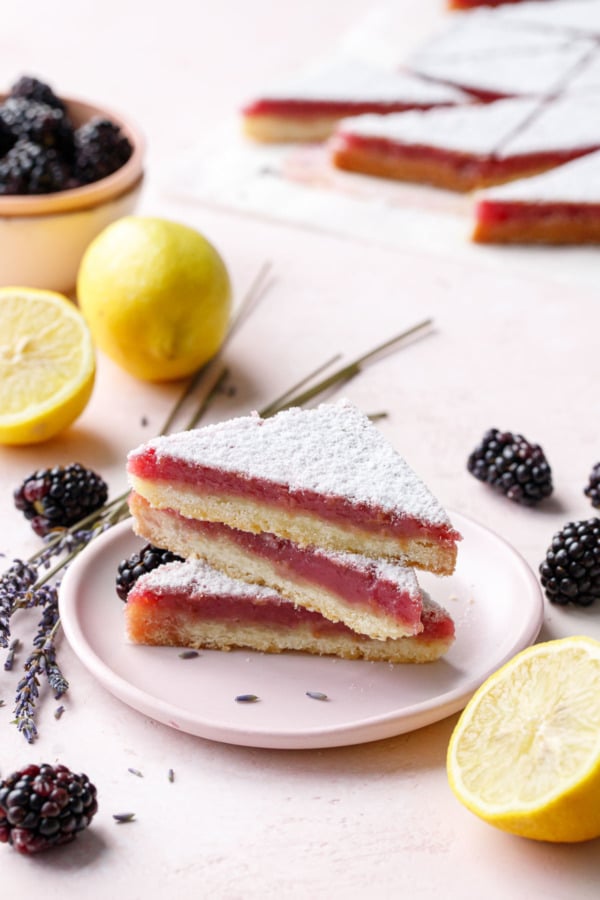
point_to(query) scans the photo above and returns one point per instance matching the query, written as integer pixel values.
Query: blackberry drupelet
(44, 806)
(31, 88)
(512, 465)
(30, 169)
(59, 497)
(147, 559)
(571, 571)
(7, 138)
(100, 149)
(593, 487)
(39, 123)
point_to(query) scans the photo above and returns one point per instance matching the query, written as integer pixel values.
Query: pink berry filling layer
(495, 212)
(309, 108)
(203, 480)
(356, 581)
(482, 169)
(273, 612)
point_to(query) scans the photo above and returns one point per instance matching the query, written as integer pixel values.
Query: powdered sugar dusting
(333, 450)
(200, 579)
(563, 15)
(350, 80)
(567, 123)
(520, 72)
(477, 129)
(574, 182)
(484, 34)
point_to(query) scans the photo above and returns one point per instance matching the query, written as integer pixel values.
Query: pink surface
(514, 346)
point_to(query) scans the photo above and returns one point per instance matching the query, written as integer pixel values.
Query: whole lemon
(156, 296)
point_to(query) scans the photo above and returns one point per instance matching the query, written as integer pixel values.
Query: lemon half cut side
(47, 364)
(525, 753)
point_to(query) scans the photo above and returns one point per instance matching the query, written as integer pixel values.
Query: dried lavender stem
(214, 382)
(276, 404)
(253, 294)
(353, 368)
(336, 380)
(78, 526)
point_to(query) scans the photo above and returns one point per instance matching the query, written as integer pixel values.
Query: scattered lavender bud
(135, 772)
(317, 695)
(188, 654)
(246, 698)
(10, 656)
(122, 818)
(171, 775)
(58, 712)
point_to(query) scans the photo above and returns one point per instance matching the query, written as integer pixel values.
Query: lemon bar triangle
(377, 597)
(190, 604)
(324, 477)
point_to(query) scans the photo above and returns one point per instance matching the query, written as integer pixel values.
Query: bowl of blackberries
(67, 169)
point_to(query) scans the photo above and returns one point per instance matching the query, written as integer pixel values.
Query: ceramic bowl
(44, 236)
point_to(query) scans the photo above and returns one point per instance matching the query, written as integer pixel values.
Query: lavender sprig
(40, 662)
(26, 585)
(14, 585)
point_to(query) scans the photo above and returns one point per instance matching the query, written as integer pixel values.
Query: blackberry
(30, 88)
(593, 488)
(7, 138)
(30, 169)
(147, 559)
(100, 149)
(571, 571)
(59, 497)
(513, 466)
(44, 806)
(39, 123)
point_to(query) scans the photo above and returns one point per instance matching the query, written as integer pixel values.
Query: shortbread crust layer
(279, 123)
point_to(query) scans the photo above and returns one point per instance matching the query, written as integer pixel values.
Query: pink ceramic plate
(493, 597)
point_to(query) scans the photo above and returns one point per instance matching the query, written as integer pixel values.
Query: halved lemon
(525, 753)
(47, 364)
